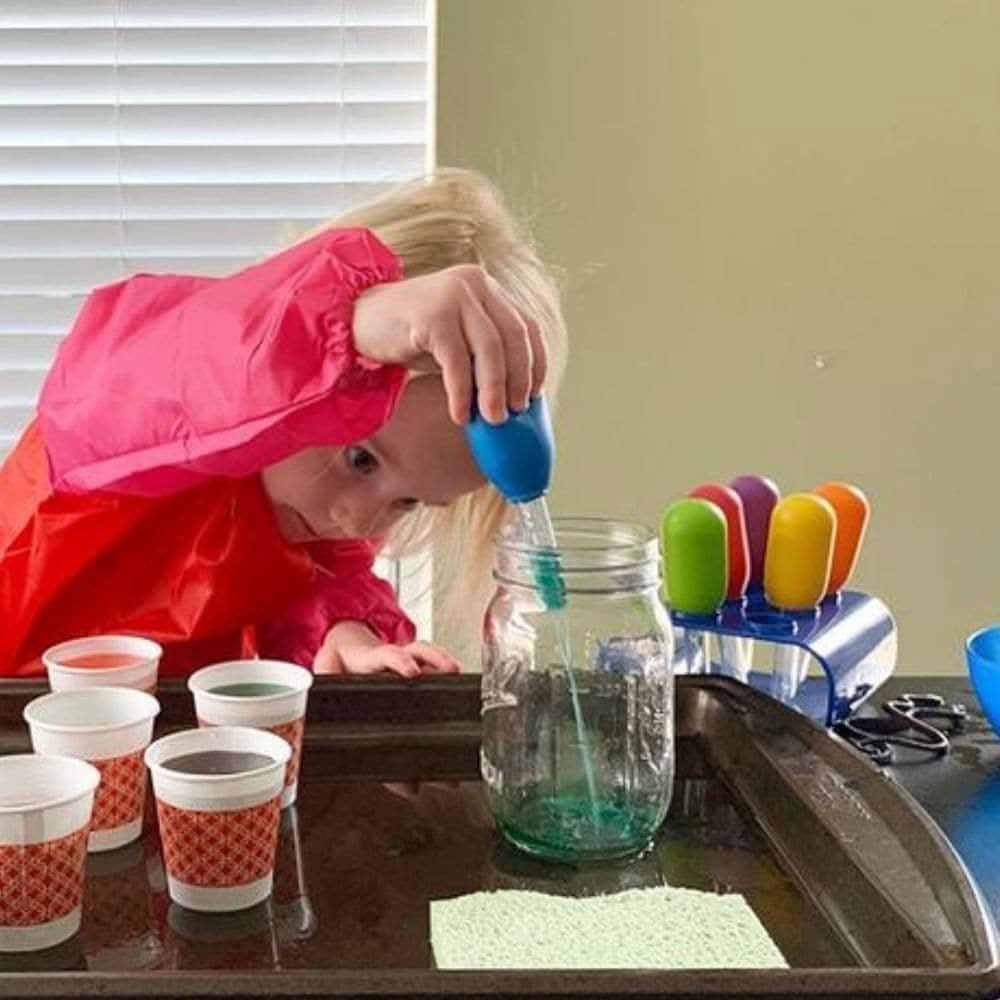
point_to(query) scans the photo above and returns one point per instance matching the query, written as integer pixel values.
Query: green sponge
(661, 928)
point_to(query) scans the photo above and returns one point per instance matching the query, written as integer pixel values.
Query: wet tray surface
(854, 884)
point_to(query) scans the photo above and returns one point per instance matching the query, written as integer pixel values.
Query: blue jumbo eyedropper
(517, 457)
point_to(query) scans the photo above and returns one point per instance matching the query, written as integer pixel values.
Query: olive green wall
(780, 223)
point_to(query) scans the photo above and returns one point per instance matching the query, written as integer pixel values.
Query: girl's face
(362, 490)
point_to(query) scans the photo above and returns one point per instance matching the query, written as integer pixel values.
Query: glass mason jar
(578, 729)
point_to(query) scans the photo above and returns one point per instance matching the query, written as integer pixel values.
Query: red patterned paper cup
(103, 661)
(271, 695)
(110, 728)
(219, 831)
(45, 809)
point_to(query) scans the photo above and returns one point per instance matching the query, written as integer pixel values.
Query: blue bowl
(982, 653)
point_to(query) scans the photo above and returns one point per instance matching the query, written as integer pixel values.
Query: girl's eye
(409, 503)
(361, 460)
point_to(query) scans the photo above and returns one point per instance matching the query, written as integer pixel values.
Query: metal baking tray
(853, 881)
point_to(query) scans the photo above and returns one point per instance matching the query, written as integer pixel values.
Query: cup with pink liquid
(103, 661)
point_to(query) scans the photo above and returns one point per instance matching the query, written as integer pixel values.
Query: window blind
(188, 136)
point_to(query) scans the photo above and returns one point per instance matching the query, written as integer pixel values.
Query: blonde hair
(458, 217)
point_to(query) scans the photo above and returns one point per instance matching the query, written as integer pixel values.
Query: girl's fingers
(451, 353)
(393, 658)
(400, 662)
(463, 322)
(513, 330)
(483, 346)
(434, 657)
(488, 356)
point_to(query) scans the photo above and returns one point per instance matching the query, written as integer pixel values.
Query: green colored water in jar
(563, 827)
(536, 524)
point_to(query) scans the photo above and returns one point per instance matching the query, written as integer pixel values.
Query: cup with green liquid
(265, 694)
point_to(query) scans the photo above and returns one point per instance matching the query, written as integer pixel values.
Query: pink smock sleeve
(168, 380)
(345, 588)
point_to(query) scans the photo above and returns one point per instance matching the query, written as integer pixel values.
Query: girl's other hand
(460, 322)
(412, 660)
(352, 648)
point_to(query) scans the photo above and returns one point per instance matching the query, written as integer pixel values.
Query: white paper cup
(139, 672)
(219, 831)
(110, 728)
(283, 714)
(45, 809)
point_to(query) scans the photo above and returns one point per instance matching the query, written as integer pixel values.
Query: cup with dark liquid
(217, 796)
(103, 661)
(266, 694)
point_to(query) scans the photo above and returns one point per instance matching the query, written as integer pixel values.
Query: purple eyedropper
(759, 496)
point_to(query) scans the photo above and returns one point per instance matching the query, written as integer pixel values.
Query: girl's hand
(460, 322)
(413, 660)
(352, 648)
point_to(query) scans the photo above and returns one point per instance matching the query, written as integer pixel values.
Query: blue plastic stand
(850, 636)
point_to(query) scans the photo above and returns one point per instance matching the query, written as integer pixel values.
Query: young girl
(216, 462)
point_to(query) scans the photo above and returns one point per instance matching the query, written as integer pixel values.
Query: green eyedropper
(696, 565)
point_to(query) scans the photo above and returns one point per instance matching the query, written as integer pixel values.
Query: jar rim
(607, 535)
(591, 554)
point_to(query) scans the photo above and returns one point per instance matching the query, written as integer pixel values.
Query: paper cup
(45, 809)
(131, 663)
(219, 831)
(110, 728)
(283, 714)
